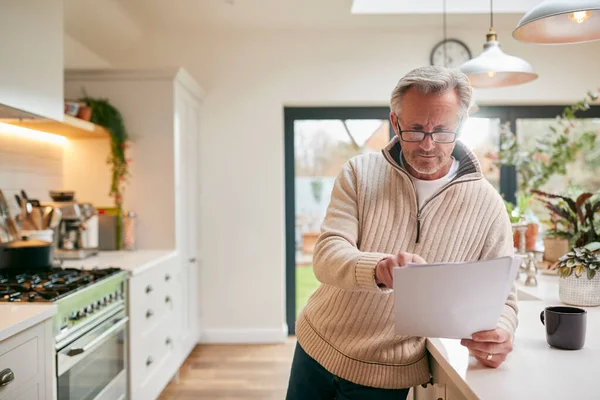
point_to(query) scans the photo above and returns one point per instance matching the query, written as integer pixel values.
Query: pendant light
(494, 68)
(560, 22)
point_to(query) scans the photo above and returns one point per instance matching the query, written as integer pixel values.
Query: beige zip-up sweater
(348, 322)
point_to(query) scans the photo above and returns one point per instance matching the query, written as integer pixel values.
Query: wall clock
(456, 53)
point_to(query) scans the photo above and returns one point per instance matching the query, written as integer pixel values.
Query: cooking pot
(27, 255)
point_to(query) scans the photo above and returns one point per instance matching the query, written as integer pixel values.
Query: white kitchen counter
(135, 262)
(534, 370)
(16, 317)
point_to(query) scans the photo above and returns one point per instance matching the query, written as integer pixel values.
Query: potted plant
(577, 221)
(106, 115)
(548, 156)
(579, 282)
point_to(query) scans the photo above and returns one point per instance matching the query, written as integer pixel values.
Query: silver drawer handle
(168, 341)
(149, 361)
(168, 299)
(6, 376)
(149, 288)
(149, 313)
(192, 260)
(167, 277)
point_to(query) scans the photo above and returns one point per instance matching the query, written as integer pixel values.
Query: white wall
(249, 78)
(31, 163)
(76, 55)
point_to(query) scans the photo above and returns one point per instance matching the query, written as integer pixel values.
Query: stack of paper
(452, 300)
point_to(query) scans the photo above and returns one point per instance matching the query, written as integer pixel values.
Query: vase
(580, 291)
(530, 236)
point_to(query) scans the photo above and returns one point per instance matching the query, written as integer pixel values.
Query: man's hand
(490, 347)
(384, 270)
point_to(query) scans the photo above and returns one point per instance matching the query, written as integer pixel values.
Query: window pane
(321, 148)
(583, 173)
(482, 136)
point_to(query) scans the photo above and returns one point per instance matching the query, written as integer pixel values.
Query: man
(422, 199)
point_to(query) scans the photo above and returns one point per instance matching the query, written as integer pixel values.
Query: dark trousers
(310, 381)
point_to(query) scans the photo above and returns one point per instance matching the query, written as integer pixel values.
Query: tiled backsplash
(34, 165)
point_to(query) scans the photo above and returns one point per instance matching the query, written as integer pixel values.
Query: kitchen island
(533, 370)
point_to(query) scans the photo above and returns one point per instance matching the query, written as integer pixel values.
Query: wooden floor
(234, 372)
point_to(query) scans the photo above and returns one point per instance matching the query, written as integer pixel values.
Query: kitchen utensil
(36, 217)
(26, 254)
(47, 213)
(11, 232)
(55, 218)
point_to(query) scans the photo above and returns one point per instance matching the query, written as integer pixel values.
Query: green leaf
(579, 270)
(594, 246)
(591, 273)
(565, 271)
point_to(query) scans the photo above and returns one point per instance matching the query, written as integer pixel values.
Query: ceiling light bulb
(580, 16)
(491, 74)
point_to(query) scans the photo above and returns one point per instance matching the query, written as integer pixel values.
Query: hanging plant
(107, 116)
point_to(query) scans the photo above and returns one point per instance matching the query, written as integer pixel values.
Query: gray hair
(432, 79)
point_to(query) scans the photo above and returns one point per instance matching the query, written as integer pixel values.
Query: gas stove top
(48, 286)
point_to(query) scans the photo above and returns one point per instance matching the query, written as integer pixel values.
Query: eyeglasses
(414, 136)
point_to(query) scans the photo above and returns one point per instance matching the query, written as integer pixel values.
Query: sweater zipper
(454, 182)
(433, 197)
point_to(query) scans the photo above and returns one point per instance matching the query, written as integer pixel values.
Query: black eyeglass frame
(425, 134)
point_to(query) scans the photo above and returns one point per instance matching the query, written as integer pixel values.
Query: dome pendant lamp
(560, 22)
(493, 68)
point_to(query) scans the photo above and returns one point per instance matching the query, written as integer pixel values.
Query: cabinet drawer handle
(149, 289)
(168, 341)
(167, 277)
(168, 299)
(6, 376)
(149, 361)
(149, 313)
(193, 260)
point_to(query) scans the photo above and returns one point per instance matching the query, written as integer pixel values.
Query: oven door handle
(99, 340)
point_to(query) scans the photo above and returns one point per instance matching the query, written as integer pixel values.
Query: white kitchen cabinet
(161, 110)
(187, 127)
(31, 66)
(28, 358)
(156, 304)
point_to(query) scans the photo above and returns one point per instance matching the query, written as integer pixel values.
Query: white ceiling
(110, 27)
(202, 15)
(436, 6)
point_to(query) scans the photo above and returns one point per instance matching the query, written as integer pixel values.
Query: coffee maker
(76, 237)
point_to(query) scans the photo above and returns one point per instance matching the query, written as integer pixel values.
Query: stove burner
(11, 292)
(47, 285)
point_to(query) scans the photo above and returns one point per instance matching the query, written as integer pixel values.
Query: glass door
(321, 148)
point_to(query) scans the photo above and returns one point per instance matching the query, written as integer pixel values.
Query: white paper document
(452, 300)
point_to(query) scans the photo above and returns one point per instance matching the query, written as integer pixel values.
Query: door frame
(508, 175)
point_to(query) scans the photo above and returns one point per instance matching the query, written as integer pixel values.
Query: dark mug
(565, 327)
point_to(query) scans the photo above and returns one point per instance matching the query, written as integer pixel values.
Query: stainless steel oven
(93, 366)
